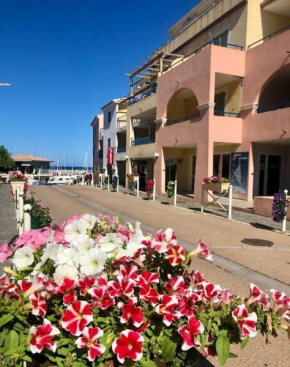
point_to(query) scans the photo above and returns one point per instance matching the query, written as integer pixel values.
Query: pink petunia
(41, 337)
(189, 332)
(4, 252)
(76, 317)
(129, 345)
(33, 239)
(131, 313)
(246, 321)
(89, 340)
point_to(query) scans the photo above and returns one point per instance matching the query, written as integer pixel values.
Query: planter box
(14, 185)
(263, 206)
(219, 187)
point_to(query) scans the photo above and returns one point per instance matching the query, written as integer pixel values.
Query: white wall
(110, 132)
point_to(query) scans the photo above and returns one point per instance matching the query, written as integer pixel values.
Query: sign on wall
(110, 156)
(239, 172)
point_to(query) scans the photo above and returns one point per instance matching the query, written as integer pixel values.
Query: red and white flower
(282, 304)
(189, 332)
(246, 321)
(90, 340)
(164, 240)
(147, 279)
(85, 284)
(66, 289)
(128, 272)
(131, 312)
(211, 292)
(129, 345)
(201, 251)
(175, 285)
(121, 287)
(149, 294)
(41, 337)
(258, 296)
(76, 317)
(101, 297)
(39, 306)
(167, 309)
(175, 255)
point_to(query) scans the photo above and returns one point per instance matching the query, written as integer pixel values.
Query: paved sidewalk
(241, 214)
(69, 200)
(8, 230)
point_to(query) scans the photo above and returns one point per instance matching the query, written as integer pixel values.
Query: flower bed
(92, 291)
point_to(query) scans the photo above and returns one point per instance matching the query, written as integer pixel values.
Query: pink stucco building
(222, 102)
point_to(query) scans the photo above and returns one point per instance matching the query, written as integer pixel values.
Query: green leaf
(5, 318)
(63, 351)
(245, 342)
(107, 340)
(168, 349)
(232, 355)
(223, 349)
(27, 358)
(79, 364)
(11, 341)
(147, 363)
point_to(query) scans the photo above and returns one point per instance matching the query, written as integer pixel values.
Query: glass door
(273, 174)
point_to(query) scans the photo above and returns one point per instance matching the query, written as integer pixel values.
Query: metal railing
(142, 140)
(143, 94)
(269, 36)
(121, 150)
(225, 113)
(182, 119)
(273, 107)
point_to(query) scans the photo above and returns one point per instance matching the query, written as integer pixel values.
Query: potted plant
(149, 187)
(94, 292)
(40, 216)
(216, 183)
(170, 188)
(279, 207)
(18, 179)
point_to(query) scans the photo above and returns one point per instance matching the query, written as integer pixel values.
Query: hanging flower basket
(170, 189)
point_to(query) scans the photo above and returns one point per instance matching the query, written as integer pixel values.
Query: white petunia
(93, 262)
(74, 229)
(110, 242)
(23, 257)
(83, 243)
(68, 256)
(51, 251)
(89, 221)
(65, 272)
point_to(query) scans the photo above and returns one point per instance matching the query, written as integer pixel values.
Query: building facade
(114, 139)
(214, 100)
(98, 128)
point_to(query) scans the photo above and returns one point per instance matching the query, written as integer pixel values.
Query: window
(220, 104)
(109, 142)
(109, 117)
(221, 39)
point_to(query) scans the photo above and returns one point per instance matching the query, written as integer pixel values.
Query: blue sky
(67, 58)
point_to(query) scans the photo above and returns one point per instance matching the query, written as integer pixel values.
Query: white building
(114, 136)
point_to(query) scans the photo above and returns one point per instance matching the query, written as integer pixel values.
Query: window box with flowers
(95, 292)
(216, 183)
(18, 179)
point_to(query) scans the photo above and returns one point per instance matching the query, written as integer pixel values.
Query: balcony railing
(269, 36)
(225, 113)
(210, 43)
(121, 150)
(273, 107)
(143, 140)
(181, 119)
(143, 94)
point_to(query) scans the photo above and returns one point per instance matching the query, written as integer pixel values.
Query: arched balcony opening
(276, 93)
(182, 107)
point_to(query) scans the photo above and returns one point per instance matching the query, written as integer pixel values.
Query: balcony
(182, 119)
(121, 150)
(227, 114)
(121, 125)
(143, 94)
(270, 36)
(142, 140)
